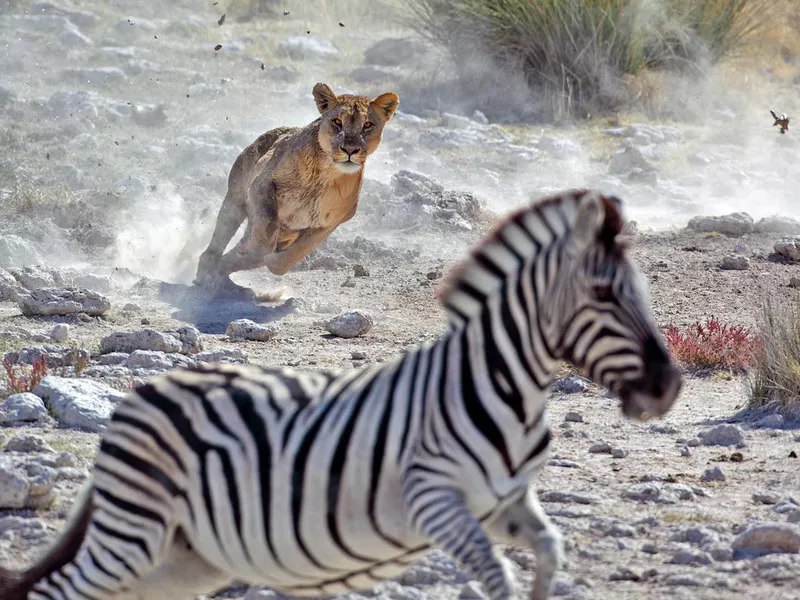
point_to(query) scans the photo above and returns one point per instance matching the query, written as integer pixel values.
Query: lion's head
(351, 126)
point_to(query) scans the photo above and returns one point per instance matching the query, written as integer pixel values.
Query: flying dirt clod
(295, 186)
(781, 120)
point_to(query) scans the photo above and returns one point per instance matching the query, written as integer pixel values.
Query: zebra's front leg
(442, 517)
(524, 523)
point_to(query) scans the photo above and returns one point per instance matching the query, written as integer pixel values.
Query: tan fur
(294, 186)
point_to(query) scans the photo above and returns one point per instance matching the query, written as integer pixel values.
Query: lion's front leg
(279, 263)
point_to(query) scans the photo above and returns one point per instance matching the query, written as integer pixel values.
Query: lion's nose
(350, 149)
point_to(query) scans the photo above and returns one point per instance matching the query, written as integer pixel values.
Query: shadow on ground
(212, 315)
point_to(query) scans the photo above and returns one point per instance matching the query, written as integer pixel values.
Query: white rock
(114, 358)
(619, 453)
(63, 301)
(600, 448)
(250, 330)
(570, 385)
(691, 557)
(766, 538)
(60, 332)
(190, 338)
(737, 224)
(148, 359)
(568, 497)
(789, 247)
(714, 473)
(33, 277)
(24, 483)
(223, 355)
(27, 443)
(778, 224)
(351, 324)
(766, 497)
(98, 283)
(141, 339)
(79, 403)
(23, 407)
(629, 160)
(10, 289)
(658, 492)
(696, 535)
(735, 262)
(299, 47)
(773, 421)
(722, 435)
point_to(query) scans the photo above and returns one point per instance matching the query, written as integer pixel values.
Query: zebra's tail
(16, 585)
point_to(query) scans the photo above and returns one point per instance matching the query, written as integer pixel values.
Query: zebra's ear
(588, 223)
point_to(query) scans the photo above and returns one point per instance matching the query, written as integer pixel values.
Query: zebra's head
(602, 312)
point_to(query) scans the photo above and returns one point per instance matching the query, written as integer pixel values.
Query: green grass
(578, 56)
(67, 209)
(80, 450)
(710, 30)
(28, 198)
(774, 381)
(673, 518)
(11, 345)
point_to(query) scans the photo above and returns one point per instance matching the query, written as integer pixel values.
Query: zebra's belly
(310, 552)
(346, 580)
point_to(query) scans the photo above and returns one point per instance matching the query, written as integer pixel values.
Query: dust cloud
(150, 117)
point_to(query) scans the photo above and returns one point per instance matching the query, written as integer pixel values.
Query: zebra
(318, 483)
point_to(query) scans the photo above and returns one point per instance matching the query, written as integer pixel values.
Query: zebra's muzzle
(654, 393)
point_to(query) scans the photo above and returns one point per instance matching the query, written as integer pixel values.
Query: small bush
(24, 382)
(578, 56)
(697, 31)
(775, 378)
(80, 220)
(713, 345)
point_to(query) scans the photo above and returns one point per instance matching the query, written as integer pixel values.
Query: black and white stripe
(316, 483)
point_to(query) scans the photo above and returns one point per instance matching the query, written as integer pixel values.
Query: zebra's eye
(603, 292)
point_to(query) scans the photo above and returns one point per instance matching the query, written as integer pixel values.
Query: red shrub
(24, 383)
(713, 345)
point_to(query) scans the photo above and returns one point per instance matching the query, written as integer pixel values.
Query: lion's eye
(368, 125)
(337, 121)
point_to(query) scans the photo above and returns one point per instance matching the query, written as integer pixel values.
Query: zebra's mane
(514, 240)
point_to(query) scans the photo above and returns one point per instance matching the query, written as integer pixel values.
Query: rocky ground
(115, 151)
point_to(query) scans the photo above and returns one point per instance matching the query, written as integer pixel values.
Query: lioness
(295, 185)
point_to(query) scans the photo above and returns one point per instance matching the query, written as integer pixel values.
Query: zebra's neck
(502, 303)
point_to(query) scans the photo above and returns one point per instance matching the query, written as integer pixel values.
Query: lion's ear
(324, 97)
(386, 104)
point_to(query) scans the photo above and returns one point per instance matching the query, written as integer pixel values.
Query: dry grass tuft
(775, 378)
(578, 56)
